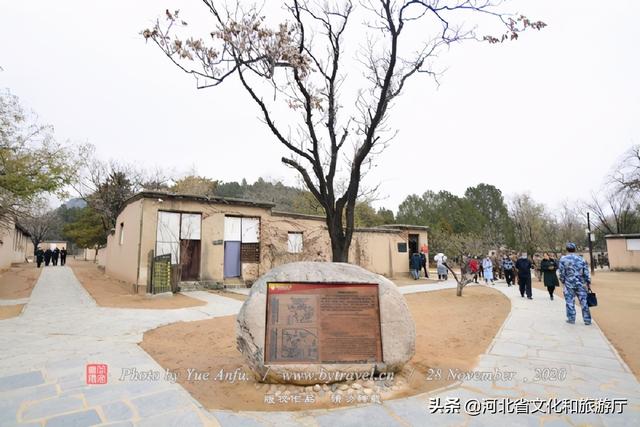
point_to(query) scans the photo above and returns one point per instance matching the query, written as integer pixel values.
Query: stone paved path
(44, 352)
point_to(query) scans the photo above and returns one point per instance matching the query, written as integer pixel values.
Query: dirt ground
(617, 313)
(451, 333)
(18, 281)
(410, 281)
(109, 292)
(9, 311)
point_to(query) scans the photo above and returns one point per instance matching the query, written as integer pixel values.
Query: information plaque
(322, 323)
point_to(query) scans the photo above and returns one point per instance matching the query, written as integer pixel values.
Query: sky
(549, 114)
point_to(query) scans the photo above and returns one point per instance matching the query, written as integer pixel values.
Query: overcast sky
(550, 113)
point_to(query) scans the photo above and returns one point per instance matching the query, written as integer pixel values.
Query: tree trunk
(339, 246)
(459, 289)
(36, 242)
(339, 242)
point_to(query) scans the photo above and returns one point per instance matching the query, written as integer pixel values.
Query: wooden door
(413, 244)
(190, 259)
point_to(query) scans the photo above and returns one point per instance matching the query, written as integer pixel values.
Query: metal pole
(590, 244)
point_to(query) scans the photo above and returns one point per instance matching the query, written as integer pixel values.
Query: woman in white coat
(487, 267)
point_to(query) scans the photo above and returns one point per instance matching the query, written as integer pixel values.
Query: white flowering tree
(331, 134)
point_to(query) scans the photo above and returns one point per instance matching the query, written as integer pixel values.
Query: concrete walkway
(44, 352)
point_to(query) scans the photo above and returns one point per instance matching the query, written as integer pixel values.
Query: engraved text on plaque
(323, 323)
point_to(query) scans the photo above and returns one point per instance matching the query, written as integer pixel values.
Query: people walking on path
(507, 268)
(415, 264)
(537, 260)
(54, 256)
(39, 256)
(497, 268)
(549, 267)
(524, 266)
(487, 267)
(440, 260)
(63, 256)
(424, 256)
(574, 275)
(423, 264)
(47, 257)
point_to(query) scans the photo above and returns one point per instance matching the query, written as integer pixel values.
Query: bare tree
(615, 211)
(571, 224)
(300, 64)
(39, 221)
(465, 275)
(106, 185)
(531, 223)
(627, 173)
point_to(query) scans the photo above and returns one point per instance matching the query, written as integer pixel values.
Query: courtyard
(49, 387)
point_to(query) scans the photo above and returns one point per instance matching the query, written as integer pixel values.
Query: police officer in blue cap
(574, 275)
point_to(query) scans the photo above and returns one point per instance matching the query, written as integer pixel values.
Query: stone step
(191, 286)
(235, 285)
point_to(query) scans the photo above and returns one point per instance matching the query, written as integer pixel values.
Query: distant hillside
(75, 203)
(284, 197)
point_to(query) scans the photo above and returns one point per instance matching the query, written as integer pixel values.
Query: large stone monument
(315, 322)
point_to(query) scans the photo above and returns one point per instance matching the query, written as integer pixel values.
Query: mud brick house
(227, 240)
(623, 251)
(15, 244)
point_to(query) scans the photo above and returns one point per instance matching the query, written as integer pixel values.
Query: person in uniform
(63, 256)
(574, 275)
(524, 266)
(549, 267)
(507, 268)
(47, 257)
(39, 256)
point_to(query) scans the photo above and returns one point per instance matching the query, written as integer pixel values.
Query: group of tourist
(573, 273)
(417, 263)
(51, 256)
(571, 270)
(602, 260)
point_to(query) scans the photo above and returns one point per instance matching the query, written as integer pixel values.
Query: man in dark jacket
(524, 266)
(549, 266)
(63, 256)
(415, 264)
(423, 263)
(54, 256)
(47, 257)
(507, 267)
(39, 256)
